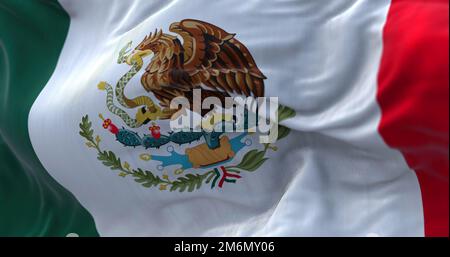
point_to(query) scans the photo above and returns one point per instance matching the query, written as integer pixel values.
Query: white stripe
(333, 176)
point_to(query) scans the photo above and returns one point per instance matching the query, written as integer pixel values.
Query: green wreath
(251, 161)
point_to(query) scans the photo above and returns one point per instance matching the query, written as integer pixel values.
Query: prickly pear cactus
(128, 138)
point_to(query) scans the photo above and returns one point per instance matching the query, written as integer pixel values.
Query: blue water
(183, 161)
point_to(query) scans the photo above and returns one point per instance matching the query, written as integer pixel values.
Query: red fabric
(413, 95)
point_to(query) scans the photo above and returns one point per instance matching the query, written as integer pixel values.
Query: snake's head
(123, 52)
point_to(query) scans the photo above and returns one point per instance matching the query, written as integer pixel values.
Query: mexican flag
(86, 148)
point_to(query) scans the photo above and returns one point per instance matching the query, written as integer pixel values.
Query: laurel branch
(250, 162)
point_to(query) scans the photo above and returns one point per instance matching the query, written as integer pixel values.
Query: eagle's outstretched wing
(215, 58)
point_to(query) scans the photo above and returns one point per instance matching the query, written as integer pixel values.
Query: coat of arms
(209, 59)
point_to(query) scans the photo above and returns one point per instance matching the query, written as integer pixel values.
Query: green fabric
(32, 203)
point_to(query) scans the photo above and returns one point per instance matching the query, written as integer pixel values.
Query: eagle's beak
(143, 53)
(140, 53)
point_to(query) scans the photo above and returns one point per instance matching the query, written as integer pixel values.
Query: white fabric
(332, 176)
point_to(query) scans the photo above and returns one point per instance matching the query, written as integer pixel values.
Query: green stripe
(32, 203)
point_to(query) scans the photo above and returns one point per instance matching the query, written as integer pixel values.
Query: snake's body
(136, 63)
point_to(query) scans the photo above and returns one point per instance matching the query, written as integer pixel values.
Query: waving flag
(87, 146)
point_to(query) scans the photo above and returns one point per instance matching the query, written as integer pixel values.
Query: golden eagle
(209, 56)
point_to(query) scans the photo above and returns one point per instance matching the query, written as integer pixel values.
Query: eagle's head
(151, 43)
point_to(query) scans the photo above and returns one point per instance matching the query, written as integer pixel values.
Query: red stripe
(414, 98)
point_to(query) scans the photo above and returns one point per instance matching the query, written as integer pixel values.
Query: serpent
(154, 111)
(130, 138)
